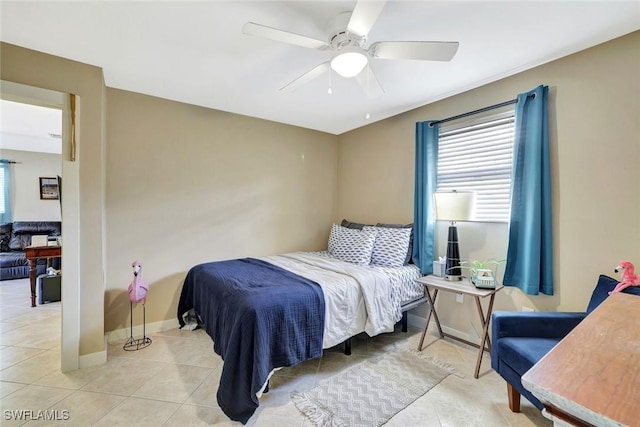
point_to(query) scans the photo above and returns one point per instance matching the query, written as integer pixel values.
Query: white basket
(483, 278)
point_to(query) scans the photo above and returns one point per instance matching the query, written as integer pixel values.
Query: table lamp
(453, 206)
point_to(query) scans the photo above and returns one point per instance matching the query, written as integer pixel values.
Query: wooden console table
(33, 253)
(592, 377)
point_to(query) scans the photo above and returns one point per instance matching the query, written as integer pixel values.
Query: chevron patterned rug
(370, 393)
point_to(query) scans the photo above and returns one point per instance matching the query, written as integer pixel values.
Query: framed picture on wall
(49, 189)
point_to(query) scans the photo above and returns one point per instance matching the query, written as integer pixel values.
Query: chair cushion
(522, 353)
(13, 259)
(51, 228)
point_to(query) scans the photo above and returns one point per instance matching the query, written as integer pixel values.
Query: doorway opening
(35, 141)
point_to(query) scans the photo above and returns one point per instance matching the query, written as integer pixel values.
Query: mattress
(357, 298)
(403, 279)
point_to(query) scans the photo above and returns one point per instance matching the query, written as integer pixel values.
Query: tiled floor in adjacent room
(173, 382)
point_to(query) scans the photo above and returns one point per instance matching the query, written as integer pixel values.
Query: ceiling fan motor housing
(339, 37)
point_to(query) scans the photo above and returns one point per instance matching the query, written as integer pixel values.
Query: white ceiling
(28, 127)
(195, 52)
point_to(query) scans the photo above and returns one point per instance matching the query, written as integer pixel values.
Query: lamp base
(453, 272)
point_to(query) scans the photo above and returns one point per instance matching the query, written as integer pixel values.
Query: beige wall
(595, 148)
(83, 204)
(30, 166)
(187, 185)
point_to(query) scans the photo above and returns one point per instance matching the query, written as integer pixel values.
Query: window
(2, 201)
(478, 157)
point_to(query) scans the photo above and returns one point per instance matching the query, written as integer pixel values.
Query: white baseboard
(419, 322)
(151, 328)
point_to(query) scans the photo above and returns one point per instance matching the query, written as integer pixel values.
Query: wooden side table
(433, 284)
(33, 253)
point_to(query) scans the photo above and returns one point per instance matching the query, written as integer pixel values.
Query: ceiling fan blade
(363, 17)
(253, 29)
(307, 77)
(368, 82)
(426, 51)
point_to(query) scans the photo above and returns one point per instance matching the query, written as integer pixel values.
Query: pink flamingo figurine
(138, 287)
(628, 278)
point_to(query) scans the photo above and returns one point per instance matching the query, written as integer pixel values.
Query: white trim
(418, 322)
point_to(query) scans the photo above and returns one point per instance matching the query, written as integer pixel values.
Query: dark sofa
(14, 237)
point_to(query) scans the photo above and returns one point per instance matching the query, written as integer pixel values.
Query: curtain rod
(471, 113)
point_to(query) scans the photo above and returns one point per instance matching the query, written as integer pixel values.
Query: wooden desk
(592, 377)
(459, 287)
(33, 253)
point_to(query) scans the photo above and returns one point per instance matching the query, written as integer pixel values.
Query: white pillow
(391, 246)
(351, 245)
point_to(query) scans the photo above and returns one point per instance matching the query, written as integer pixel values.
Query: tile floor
(173, 382)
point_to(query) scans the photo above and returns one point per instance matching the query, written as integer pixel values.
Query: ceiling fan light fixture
(349, 63)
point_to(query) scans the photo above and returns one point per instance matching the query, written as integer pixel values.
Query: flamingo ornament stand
(137, 293)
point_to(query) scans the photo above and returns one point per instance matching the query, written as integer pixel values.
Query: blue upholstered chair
(520, 339)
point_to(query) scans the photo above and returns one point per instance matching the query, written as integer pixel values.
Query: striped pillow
(391, 246)
(351, 245)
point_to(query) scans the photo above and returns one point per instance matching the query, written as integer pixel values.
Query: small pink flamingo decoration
(138, 287)
(628, 278)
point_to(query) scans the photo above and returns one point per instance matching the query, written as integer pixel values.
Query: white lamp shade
(454, 205)
(349, 63)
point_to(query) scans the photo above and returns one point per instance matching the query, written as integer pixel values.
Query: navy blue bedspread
(260, 317)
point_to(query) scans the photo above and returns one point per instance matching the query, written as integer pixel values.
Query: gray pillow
(354, 225)
(4, 242)
(18, 243)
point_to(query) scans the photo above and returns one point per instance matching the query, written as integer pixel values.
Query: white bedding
(357, 298)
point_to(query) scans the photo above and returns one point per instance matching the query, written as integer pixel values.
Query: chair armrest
(533, 324)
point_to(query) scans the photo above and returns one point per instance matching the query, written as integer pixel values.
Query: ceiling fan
(347, 38)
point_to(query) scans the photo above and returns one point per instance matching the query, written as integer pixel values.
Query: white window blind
(478, 157)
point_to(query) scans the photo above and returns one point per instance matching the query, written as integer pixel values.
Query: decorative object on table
(453, 206)
(483, 273)
(49, 189)
(370, 393)
(439, 266)
(39, 240)
(628, 278)
(137, 293)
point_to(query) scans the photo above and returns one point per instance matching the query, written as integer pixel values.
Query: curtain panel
(5, 209)
(529, 254)
(425, 185)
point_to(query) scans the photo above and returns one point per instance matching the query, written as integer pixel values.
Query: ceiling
(28, 127)
(195, 52)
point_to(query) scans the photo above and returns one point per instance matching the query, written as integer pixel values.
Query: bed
(277, 311)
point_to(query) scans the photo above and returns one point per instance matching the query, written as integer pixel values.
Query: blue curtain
(529, 255)
(5, 211)
(425, 186)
